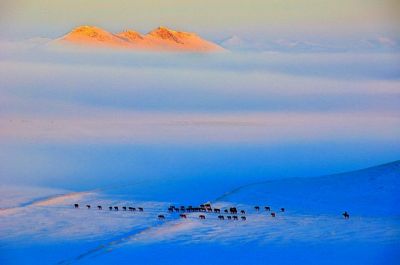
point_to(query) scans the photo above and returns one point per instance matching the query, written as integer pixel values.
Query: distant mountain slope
(160, 39)
(370, 192)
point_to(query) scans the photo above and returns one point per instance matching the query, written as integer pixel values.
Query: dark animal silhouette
(346, 215)
(267, 208)
(182, 208)
(243, 218)
(202, 206)
(233, 210)
(124, 208)
(257, 208)
(170, 209)
(207, 205)
(229, 217)
(217, 210)
(282, 209)
(99, 207)
(273, 214)
(226, 211)
(132, 209)
(88, 206)
(161, 217)
(221, 217)
(177, 210)
(140, 209)
(234, 217)
(76, 205)
(110, 208)
(183, 216)
(116, 208)
(202, 217)
(242, 212)
(209, 209)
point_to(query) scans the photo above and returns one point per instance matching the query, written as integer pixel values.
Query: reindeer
(221, 217)
(267, 208)
(217, 210)
(76, 205)
(132, 209)
(116, 208)
(233, 210)
(124, 208)
(235, 217)
(182, 208)
(110, 208)
(243, 212)
(183, 216)
(273, 214)
(257, 208)
(88, 206)
(202, 217)
(161, 217)
(226, 211)
(170, 209)
(243, 218)
(282, 209)
(99, 207)
(229, 217)
(140, 209)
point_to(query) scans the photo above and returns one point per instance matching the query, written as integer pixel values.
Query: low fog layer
(293, 107)
(52, 93)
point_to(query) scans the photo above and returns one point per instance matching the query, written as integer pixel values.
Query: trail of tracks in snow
(109, 246)
(236, 190)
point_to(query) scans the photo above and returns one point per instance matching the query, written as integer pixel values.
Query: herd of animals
(111, 208)
(224, 214)
(230, 214)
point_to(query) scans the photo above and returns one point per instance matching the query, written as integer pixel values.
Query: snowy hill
(371, 192)
(311, 229)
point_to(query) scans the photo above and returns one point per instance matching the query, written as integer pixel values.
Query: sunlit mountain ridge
(159, 39)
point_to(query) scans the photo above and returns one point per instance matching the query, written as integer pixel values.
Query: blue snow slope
(41, 226)
(373, 191)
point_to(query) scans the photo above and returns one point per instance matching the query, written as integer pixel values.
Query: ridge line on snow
(226, 194)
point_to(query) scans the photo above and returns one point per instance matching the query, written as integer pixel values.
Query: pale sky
(272, 18)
